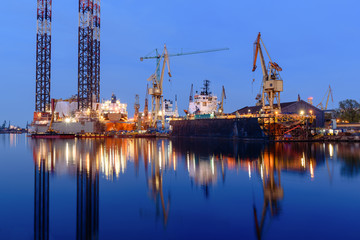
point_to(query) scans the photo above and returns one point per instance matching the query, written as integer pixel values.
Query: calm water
(162, 189)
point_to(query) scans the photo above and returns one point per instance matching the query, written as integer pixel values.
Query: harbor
(172, 120)
(85, 116)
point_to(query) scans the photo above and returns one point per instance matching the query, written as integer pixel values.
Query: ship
(230, 128)
(205, 119)
(52, 135)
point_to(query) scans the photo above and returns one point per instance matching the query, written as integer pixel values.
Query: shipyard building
(298, 107)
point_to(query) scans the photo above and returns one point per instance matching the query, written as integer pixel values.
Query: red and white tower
(89, 54)
(43, 56)
(85, 52)
(96, 50)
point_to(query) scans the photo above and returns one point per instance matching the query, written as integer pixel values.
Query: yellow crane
(221, 104)
(272, 83)
(156, 91)
(146, 107)
(53, 105)
(328, 94)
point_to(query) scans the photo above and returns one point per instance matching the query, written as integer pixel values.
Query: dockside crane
(221, 104)
(146, 107)
(329, 94)
(191, 97)
(272, 83)
(136, 108)
(158, 57)
(156, 91)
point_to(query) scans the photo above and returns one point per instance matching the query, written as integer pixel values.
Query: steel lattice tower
(85, 52)
(96, 51)
(43, 56)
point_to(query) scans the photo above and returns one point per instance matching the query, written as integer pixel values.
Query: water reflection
(41, 198)
(159, 159)
(206, 164)
(87, 204)
(269, 167)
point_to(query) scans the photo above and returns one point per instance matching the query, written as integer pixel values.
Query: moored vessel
(51, 135)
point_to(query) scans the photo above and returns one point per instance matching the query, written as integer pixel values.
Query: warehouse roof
(256, 109)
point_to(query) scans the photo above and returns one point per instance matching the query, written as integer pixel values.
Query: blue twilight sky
(314, 41)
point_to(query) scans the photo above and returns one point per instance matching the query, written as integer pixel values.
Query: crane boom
(184, 53)
(332, 99)
(329, 94)
(258, 50)
(223, 97)
(158, 57)
(191, 97)
(198, 52)
(166, 61)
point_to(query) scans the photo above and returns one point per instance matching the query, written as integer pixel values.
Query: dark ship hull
(237, 128)
(52, 136)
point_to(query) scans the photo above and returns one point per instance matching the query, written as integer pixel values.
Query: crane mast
(272, 83)
(157, 90)
(136, 108)
(146, 106)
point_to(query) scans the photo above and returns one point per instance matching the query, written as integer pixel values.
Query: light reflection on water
(203, 189)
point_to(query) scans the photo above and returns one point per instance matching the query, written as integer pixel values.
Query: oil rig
(83, 112)
(88, 93)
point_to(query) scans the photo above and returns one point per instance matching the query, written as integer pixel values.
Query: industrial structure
(204, 103)
(84, 114)
(300, 108)
(146, 107)
(158, 56)
(272, 84)
(157, 90)
(328, 94)
(158, 114)
(43, 56)
(89, 54)
(87, 101)
(136, 108)
(221, 104)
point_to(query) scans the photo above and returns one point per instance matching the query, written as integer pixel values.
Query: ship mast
(206, 88)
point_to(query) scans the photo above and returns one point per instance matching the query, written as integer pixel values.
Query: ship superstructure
(205, 102)
(66, 118)
(113, 109)
(168, 108)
